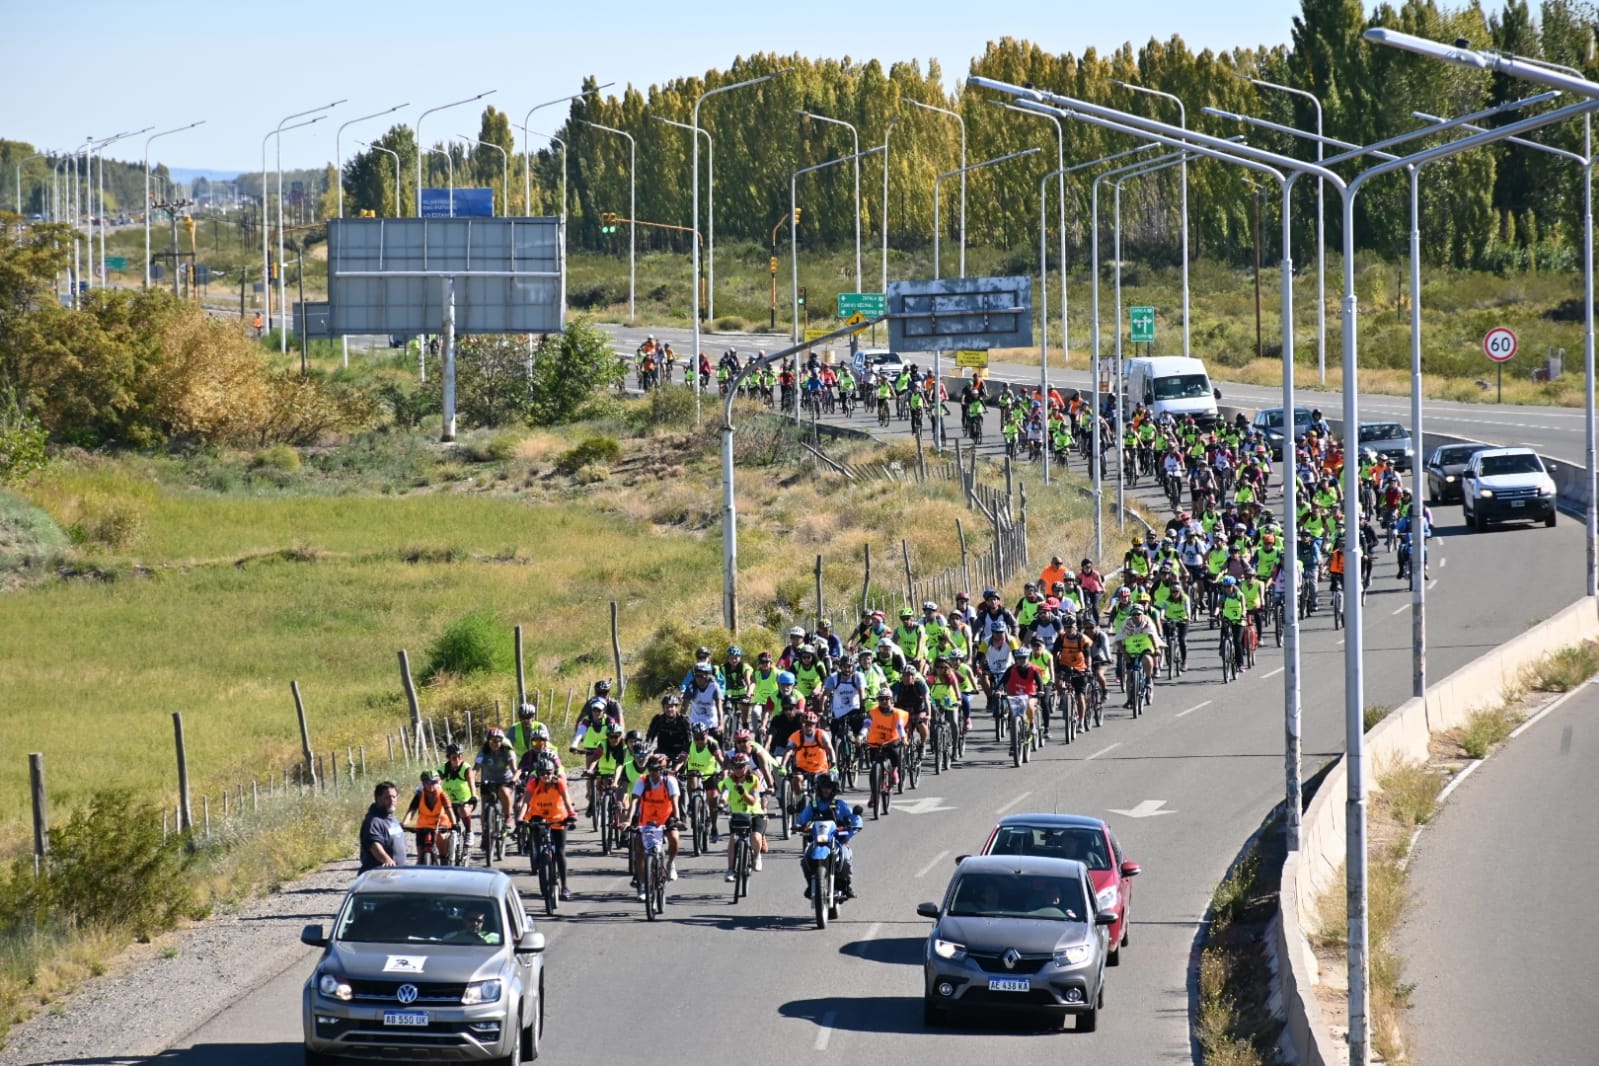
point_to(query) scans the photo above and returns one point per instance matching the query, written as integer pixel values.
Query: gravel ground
(155, 994)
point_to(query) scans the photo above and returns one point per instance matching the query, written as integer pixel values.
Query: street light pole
(338, 158)
(887, 135)
(855, 139)
(1182, 122)
(283, 275)
(505, 174)
(399, 205)
(632, 216)
(420, 151)
(793, 237)
(449, 169)
(1321, 231)
(147, 140)
(527, 153)
(100, 148)
(962, 172)
(266, 231)
(938, 354)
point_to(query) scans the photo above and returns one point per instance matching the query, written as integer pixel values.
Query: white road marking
(1195, 707)
(1103, 751)
(825, 1033)
(1012, 803)
(1442, 562)
(925, 870)
(1274, 673)
(1402, 609)
(1432, 584)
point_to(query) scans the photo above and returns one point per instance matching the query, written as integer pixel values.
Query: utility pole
(172, 207)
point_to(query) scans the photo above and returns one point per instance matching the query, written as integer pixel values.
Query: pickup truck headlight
(1546, 490)
(333, 986)
(1487, 493)
(481, 992)
(1449, 479)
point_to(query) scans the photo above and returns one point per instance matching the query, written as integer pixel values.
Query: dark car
(1390, 440)
(1089, 841)
(1018, 933)
(1269, 421)
(1444, 467)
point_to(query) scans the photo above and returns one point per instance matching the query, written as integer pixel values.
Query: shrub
(672, 405)
(592, 474)
(117, 526)
(495, 449)
(1482, 731)
(22, 441)
(732, 324)
(591, 451)
(279, 457)
(474, 644)
(669, 653)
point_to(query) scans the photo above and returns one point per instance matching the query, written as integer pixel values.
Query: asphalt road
(754, 979)
(1503, 974)
(1554, 431)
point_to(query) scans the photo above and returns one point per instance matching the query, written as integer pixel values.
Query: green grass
(1409, 794)
(1483, 730)
(1566, 669)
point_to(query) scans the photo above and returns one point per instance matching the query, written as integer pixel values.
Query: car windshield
(1085, 844)
(1382, 431)
(1009, 895)
(1182, 387)
(1458, 454)
(411, 918)
(1514, 463)
(1273, 417)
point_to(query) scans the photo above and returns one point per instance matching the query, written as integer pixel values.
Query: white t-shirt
(846, 693)
(702, 704)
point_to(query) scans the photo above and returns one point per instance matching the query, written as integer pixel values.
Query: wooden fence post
(866, 578)
(1010, 491)
(185, 809)
(910, 589)
(966, 569)
(41, 813)
(821, 607)
(205, 801)
(411, 700)
(521, 676)
(616, 657)
(305, 731)
(1022, 534)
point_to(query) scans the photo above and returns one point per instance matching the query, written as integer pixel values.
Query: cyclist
(704, 757)
(1072, 668)
(1042, 660)
(430, 817)
(520, 735)
(1175, 612)
(705, 699)
(828, 645)
(763, 688)
(742, 791)
(785, 721)
(991, 613)
(1022, 678)
(887, 731)
(827, 806)
(546, 798)
(1231, 608)
(912, 696)
(889, 661)
(598, 712)
(944, 691)
(809, 671)
(738, 679)
(1139, 636)
(655, 799)
(847, 691)
(810, 749)
(669, 731)
(459, 783)
(910, 637)
(496, 771)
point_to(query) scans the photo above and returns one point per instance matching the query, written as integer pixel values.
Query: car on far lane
(1016, 933)
(1269, 421)
(1444, 467)
(426, 963)
(1089, 841)
(1391, 440)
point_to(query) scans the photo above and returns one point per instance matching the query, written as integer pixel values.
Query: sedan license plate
(405, 1017)
(1518, 503)
(1009, 984)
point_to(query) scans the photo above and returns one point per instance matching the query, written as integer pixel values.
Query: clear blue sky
(97, 67)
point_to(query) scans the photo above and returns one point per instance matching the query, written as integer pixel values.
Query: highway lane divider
(1403, 735)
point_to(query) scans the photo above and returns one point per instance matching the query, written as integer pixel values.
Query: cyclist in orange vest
(430, 817)
(654, 801)
(547, 799)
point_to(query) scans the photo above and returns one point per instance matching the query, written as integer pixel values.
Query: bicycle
(1140, 683)
(848, 756)
(431, 850)
(1338, 606)
(882, 780)
(1229, 655)
(915, 750)
(493, 825)
(882, 412)
(652, 840)
(699, 812)
(542, 860)
(603, 820)
(940, 738)
(916, 422)
(741, 826)
(1021, 723)
(974, 429)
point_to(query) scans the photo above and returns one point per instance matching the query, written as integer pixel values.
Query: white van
(1171, 384)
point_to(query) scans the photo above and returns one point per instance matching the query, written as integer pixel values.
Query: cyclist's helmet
(540, 732)
(806, 649)
(990, 594)
(739, 763)
(789, 702)
(429, 776)
(1000, 628)
(452, 748)
(702, 669)
(546, 764)
(826, 782)
(735, 652)
(494, 732)
(784, 677)
(697, 729)
(961, 597)
(864, 655)
(906, 612)
(671, 699)
(635, 737)
(655, 762)
(525, 711)
(743, 734)
(810, 718)
(1228, 582)
(1137, 610)
(797, 631)
(929, 606)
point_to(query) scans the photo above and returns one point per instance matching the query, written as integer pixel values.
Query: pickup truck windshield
(1494, 465)
(1382, 431)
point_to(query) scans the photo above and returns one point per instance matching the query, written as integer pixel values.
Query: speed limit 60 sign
(1499, 344)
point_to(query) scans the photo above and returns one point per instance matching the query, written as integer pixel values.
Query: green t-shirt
(743, 797)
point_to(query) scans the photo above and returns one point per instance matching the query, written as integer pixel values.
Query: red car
(1088, 840)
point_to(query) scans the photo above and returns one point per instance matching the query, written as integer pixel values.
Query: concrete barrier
(1403, 735)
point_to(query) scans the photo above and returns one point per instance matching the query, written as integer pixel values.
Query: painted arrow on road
(1146, 809)
(924, 805)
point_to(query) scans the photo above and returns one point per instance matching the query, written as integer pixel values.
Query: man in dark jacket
(382, 839)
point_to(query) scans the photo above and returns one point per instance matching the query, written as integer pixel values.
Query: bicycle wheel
(1138, 689)
(937, 737)
(999, 720)
(491, 832)
(875, 780)
(1015, 744)
(741, 873)
(782, 804)
(649, 887)
(660, 879)
(547, 880)
(701, 817)
(607, 830)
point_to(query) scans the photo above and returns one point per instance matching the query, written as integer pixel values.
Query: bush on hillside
(474, 644)
(592, 451)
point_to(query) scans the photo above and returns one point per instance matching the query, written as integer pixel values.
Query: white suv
(1506, 483)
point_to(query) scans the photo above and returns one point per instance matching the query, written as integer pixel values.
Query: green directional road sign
(870, 304)
(116, 262)
(1142, 321)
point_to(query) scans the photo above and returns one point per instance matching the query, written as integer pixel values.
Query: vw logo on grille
(406, 993)
(1011, 958)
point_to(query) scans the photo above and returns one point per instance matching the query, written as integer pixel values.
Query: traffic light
(801, 296)
(797, 211)
(774, 264)
(608, 221)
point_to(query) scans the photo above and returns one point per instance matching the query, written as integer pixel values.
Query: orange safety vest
(438, 817)
(885, 727)
(655, 803)
(811, 757)
(547, 802)
(1335, 564)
